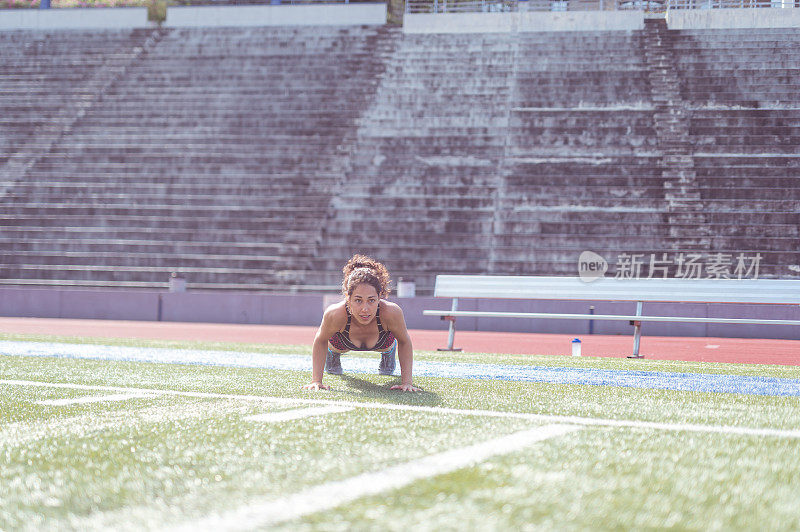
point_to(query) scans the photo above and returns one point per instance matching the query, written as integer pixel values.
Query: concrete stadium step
(129, 207)
(567, 213)
(200, 158)
(536, 153)
(517, 233)
(520, 182)
(157, 188)
(750, 91)
(533, 194)
(55, 199)
(54, 246)
(586, 207)
(746, 160)
(776, 177)
(753, 232)
(298, 145)
(283, 102)
(770, 74)
(126, 173)
(737, 59)
(751, 130)
(787, 118)
(396, 181)
(728, 189)
(109, 258)
(353, 216)
(593, 165)
(173, 169)
(749, 143)
(533, 131)
(288, 239)
(208, 126)
(162, 221)
(420, 227)
(353, 201)
(608, 138)
(439, 143)
(713, 203)
(730, 214)
(577, 118)
(143, 274)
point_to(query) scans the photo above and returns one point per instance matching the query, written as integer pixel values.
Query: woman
(363, 321)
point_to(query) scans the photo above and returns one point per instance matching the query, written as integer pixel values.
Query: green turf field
(176, 448)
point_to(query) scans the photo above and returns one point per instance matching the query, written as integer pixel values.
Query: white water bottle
(576, 347)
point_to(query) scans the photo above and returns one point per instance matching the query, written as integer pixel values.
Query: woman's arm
(405, 351)
(319, 349)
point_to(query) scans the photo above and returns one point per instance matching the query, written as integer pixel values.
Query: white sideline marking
(332, 494)
(92, 399)
(299, 413)
(542, 418)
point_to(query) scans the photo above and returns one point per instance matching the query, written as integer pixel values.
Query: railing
(729, 4)
(657, 6)
(262, 2)
(46, 4)
(505, 6)
(461, 6)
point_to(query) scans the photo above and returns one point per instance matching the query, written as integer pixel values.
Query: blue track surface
(695, 382)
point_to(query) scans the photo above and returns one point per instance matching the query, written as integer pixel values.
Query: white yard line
(332, 494)
(542, 418)
(299, 413)
(18, 434)
(93, 399)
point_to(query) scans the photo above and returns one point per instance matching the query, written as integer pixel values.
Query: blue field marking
(694, 382)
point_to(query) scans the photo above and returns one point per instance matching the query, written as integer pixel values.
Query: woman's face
(363, 303)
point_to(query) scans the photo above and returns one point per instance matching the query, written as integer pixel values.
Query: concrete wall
(297, 15)
(194, 17)
(73, 19)
(534, 21)
(306, 309)
(703, 19)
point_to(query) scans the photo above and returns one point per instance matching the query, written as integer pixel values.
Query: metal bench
(762, 291)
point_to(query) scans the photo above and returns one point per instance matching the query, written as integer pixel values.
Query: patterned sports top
(341, 340)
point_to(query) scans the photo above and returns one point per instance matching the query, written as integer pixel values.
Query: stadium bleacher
(264, 157)
(213, 155)
(744, 127)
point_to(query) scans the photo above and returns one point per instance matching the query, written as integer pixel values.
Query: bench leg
(637, 332)
(451, 334)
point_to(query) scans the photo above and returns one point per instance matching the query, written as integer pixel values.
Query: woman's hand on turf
(316, 386)
(406, 387)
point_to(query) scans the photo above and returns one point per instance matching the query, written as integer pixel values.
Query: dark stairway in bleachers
(420, 191)
(502, 154)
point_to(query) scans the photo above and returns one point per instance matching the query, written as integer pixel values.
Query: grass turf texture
(151, 462)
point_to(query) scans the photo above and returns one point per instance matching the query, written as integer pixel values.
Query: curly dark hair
(362, 269)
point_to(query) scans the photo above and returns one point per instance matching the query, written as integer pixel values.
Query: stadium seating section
(264, 157)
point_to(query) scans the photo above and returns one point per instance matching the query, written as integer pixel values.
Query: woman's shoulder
(335, 312)
(390, 311)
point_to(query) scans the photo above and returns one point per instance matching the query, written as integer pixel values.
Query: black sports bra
(341, 339)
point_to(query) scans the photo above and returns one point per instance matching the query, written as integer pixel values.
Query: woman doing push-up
(363, 321)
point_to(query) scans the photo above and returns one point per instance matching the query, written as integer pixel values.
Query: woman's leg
(333, 364)
(387, 365)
